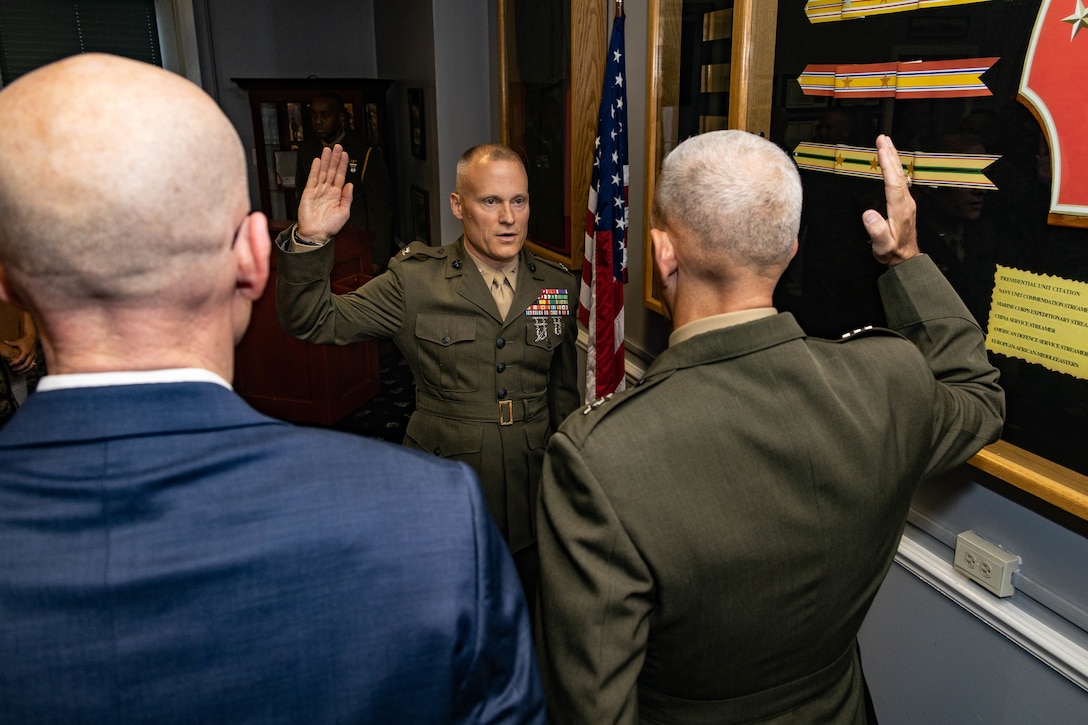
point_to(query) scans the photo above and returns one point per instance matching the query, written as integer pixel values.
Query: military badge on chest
(549, 310)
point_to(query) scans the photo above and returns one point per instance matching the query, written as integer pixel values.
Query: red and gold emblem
(1054, 71)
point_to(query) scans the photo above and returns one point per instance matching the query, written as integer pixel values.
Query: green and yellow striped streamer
(931, 169)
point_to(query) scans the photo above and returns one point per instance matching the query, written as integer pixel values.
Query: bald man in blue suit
(169, 554)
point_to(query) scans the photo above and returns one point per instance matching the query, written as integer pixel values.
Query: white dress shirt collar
(717, 322)
(130, 377)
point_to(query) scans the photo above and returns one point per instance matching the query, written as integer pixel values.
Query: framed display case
(274, 372)
(1037, 338)
(299, 381)
(974, 95)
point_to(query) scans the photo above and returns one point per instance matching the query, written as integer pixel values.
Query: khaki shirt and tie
(502, 282)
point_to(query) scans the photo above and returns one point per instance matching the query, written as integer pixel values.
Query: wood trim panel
(588, 45)
(751, 89)
(1042, 478)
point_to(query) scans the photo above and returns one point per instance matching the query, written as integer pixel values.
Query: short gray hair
(735, 193)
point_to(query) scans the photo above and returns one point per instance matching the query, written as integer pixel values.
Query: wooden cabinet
(281, 121)
(277, 374)
(299, 381)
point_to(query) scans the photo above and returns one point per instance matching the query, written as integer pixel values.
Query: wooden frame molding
(751, 90)
(1042, 478)
(588, 44)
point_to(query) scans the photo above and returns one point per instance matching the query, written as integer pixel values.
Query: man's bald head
(120, 183)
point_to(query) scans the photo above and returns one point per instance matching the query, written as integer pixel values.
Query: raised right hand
(894, 239)
(325, 205)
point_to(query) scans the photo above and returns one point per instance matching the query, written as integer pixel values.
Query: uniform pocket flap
(544, 332)
(444, 437)
(445, 329)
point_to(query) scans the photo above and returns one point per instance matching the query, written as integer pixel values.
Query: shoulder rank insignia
(597, 404)
(856, 331)
(420, 251)
(867, 331)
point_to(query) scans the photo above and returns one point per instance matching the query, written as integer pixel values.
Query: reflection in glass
(538, 46)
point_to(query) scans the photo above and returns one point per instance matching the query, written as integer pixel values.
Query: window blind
(33, 34)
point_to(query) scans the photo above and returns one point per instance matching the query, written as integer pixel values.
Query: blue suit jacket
(170, 555)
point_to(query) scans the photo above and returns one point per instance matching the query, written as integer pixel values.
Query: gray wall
(929, 661)
(406, 55)
(445, 48)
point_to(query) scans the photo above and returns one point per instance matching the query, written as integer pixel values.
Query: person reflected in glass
(372, 207)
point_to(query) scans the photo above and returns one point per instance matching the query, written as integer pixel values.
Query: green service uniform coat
(711, 540)
(489, 392)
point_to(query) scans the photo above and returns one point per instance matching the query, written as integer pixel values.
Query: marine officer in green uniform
(487, 327)
(711, 540)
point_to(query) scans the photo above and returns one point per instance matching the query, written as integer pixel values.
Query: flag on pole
(600, 303)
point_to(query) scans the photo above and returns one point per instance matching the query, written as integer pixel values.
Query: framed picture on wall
(416, 130)
(421, 214)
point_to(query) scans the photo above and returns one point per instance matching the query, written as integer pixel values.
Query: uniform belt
(503, 412)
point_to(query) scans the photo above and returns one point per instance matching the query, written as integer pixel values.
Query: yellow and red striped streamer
(931, 169)
(912, 79)
(830, 11)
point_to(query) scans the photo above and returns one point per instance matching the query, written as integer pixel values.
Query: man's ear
(252, 252)
(664, 255)
(455, 204)
(7, 292)
(796, 246)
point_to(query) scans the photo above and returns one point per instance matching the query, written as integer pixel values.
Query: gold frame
(751, 90)
(588, 45)
(1057, 485)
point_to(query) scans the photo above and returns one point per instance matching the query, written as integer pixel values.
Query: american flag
(600, 303)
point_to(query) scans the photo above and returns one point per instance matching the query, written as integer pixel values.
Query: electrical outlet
(986, 563)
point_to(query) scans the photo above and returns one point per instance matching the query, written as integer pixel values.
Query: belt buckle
(506, 412)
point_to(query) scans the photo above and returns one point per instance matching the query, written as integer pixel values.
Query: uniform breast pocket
(445, 351)
(543, 336)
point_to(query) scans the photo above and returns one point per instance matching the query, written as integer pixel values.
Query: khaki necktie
(502, 292)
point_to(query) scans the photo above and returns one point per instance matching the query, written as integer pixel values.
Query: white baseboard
(1053, 642)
